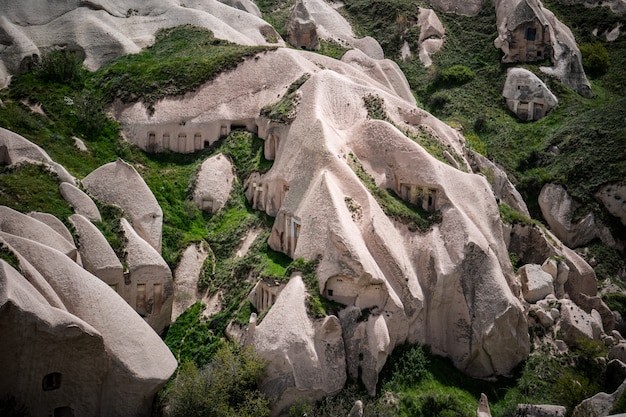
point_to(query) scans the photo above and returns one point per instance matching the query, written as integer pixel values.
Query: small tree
(596, 60)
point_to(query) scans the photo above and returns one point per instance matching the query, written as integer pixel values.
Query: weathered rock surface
(115, 349)
(120, 184)
(151, 288)
(15, 149)
(576, 324)
(19, 224)
(483, 407)
(304, 356)
(613, 197)
(558, 208)
(54, 223)
(301, 28)
(97, 255)
(101, 30)
(80, 202)
(599, 405)
(245, 5)
(616, 6)
(431, 37)
(186, 278)
(526, 95)
(214, 183)
(536, 284)
(530, 32)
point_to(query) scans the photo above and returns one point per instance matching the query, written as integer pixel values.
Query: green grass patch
(375, 106)
(284, 111)
(332, 49)
(28, 187)
(9, 257)
(181, 59)
(413, 216)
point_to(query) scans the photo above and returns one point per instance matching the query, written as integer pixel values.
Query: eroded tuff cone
(80, 202)
(305, 357)
(529, 32)
(213, 183)
(526, 95)
(102, 30)
(431, 36)
(130, 368)
(301, 28)
(119, 183)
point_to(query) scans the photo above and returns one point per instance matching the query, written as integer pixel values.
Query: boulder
(483, 407)
(186, 277)
(116, 360)
(301, 29)
(613, 197)
(16, 223)
(80, 202)
(544, 410)
(15, 149)
(529, 32)
(536, 284)
(97, 255)
(618, 352)
(356, 410)
(54, 223)
(151, 288)
(431, 37)
(558, 208)
(305, 357)
(575, 324)
(214, 183)
(599, 405)
(526, 95)
(119, 183)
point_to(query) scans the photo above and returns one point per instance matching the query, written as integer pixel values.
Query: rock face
(213, 183)
(431, 37)
(526, 95)
(600, 404)
(558, 208)
(450, 286)
(117, 362)
(186, 278)
(151, 288)
(119, 183)
(80, 202)
(576, 324)
(467, 8)
(101, 30)
(301, 29)
(302, 354)
(543, 410)
(529, 32)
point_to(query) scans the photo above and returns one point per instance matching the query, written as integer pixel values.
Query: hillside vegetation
(462, 88)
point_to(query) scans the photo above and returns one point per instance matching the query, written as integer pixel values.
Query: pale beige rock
(151, 288)
(101, 31)
(265, 293)
(618, 352)
(356, 410)
(97, 255)
(529, 32)
(431, 37)
(613, 197)
(137, 362)
(15, 149)
(213, 183)
(56, 224)
(245, 5)
(80, 145)
(19, 224)
(186, 277)
(599, 405)
(301, 29)
(483, 407)
(576, 324)
(536, 284)
(540, 410)
(80, 202)
(526, 95)
(119, 183)
(558, 208)
(305, 357)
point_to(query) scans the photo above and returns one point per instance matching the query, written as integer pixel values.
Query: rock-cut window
(531, 34)
(51, 381)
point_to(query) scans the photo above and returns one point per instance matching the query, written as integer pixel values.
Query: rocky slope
(352, 132)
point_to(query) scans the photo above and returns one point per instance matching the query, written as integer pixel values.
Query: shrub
(64, 67)
(439, 99)
(596, 59)
(456, 75)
